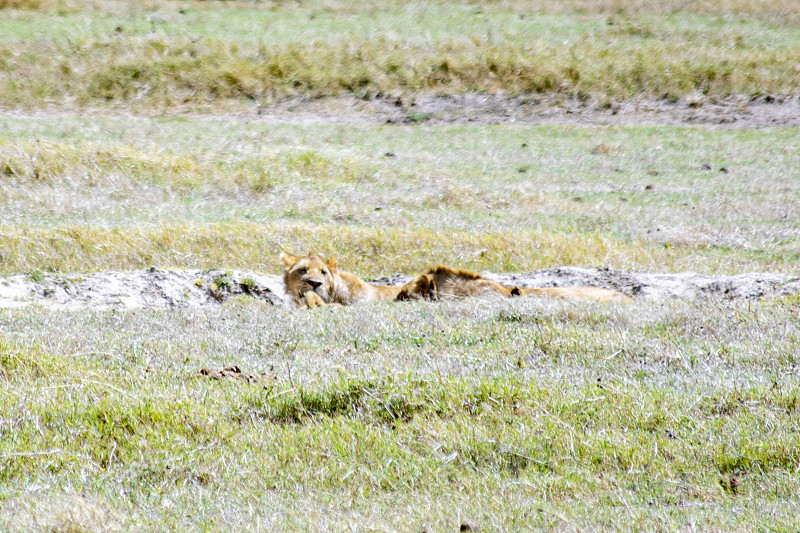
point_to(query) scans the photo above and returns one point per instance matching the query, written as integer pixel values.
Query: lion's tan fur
(443, 281)
(312, 282)
(577, 293)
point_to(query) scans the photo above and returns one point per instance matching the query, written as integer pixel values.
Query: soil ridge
(167, 288)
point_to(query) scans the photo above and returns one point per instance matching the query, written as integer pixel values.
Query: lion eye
(325, 271)
(301, 270)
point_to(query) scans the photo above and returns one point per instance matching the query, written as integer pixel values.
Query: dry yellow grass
(371, 252)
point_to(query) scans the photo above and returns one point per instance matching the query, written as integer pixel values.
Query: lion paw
(314, 300)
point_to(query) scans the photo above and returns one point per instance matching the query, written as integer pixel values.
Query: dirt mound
(652, 285)
(138, 289)
(182, 288)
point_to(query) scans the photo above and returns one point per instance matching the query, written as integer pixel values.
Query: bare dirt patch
(697, 110)
(734, 112)
(686, 285)
(138, 289)
(157, 288)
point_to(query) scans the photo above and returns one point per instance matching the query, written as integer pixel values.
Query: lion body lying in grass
(311, 282)
(443, 281)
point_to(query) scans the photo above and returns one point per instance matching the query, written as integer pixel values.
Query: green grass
(503, 415)
(201, 56)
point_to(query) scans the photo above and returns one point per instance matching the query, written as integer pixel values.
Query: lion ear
(288, 259)
(333, 263)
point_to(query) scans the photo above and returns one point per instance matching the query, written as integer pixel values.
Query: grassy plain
(126, 192)
(500, 415)
(163, 56)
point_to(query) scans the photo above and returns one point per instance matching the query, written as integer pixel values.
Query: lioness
(311, 282)
(444, 281)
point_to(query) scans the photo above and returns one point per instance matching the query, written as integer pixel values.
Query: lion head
(309, 274)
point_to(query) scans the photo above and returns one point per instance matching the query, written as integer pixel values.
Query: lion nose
(314, 283)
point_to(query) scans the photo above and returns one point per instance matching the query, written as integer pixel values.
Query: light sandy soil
(151, 288)
(157, 288)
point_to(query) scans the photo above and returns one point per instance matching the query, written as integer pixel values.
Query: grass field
(128, 192)
(162, 56)
(500, 415)
(130, 137)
